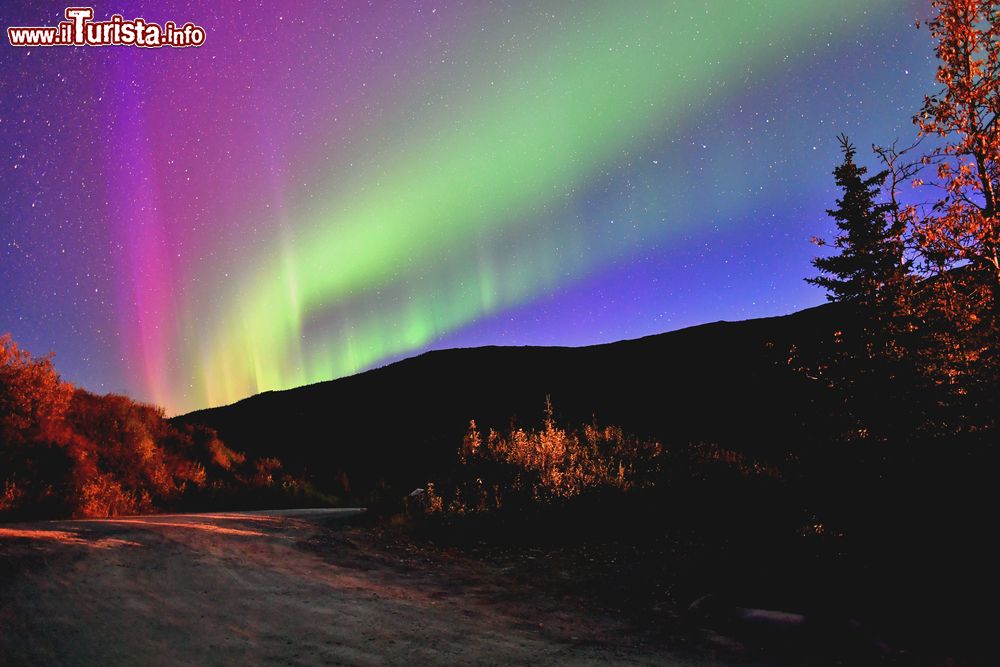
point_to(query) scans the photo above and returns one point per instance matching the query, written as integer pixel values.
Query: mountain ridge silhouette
(729, 383)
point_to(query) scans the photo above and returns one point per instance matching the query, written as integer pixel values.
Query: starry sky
(324, 187)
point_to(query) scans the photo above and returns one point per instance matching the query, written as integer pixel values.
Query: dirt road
(285, 587)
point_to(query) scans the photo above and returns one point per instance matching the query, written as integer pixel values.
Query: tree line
(917, 251)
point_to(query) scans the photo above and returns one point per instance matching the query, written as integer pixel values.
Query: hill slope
(725, 382)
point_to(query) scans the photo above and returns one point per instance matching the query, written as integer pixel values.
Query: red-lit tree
(963, 225)
(959, 237)
(33, 400)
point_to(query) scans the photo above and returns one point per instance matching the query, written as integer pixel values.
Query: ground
(298, 587)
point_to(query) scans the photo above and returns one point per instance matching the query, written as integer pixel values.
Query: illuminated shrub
(33, 400)
(10, 497)
(264, 471)
(69, 452)
(104, 496)
(537, 466)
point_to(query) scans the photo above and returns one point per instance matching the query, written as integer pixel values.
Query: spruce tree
(870, 262)
(866, 363)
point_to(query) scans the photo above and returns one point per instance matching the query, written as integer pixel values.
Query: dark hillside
(727, 382)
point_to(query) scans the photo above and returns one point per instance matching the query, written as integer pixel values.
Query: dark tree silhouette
(864, 364)
(870, 263)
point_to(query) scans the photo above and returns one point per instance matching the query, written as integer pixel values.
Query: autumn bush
(553, 466)
(552, 463)
(68, 452)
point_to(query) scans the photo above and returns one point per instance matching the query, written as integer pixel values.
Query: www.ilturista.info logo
(79, 30)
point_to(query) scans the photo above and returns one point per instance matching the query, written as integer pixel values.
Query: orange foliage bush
(65, 451)
(547, 464)
(33, 399)
(103, 495)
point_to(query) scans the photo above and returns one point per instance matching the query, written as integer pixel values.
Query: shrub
(538, 466)
(65, 451)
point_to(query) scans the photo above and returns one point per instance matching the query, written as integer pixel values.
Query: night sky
(320, 189)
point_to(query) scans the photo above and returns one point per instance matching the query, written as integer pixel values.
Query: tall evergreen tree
(866, 362)
(870, 262)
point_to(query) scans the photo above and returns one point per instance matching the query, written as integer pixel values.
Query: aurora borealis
(325, 187)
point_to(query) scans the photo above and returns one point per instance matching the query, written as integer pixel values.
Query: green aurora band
(391, 257)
